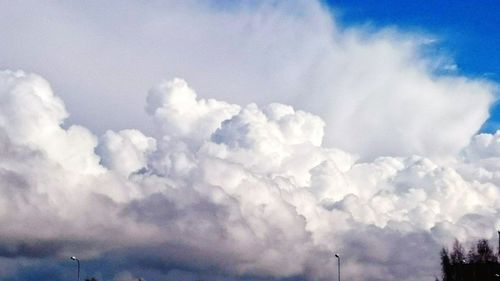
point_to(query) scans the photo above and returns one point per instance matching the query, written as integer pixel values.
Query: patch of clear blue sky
(469, 31)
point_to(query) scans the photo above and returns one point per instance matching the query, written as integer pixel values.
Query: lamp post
(498, 242)
(338, 267)
(78, 261)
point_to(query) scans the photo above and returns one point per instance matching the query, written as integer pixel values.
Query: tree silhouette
(484, 252)
(481, 263)
(481, 253)
(457, 255)
(445, 265)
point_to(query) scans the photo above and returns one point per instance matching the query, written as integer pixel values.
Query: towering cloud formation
(227, 190)
(379, 92)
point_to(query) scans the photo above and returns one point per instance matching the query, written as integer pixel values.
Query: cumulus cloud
(377, 92)
(234, 191)
(125, 151)
(303, 138)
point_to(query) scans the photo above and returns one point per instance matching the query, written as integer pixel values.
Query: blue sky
(468, 31)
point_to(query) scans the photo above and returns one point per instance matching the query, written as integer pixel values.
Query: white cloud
(175, 108)
(376, 91)
(125, 151)
(242, 185)
(215, 199)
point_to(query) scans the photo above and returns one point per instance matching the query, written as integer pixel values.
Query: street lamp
(78, 261)
(338, 267)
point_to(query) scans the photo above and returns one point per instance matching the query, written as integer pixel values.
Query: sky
(245, 140)
(466, 30)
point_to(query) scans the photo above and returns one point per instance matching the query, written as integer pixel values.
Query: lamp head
(337, 256)
(73, 258)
